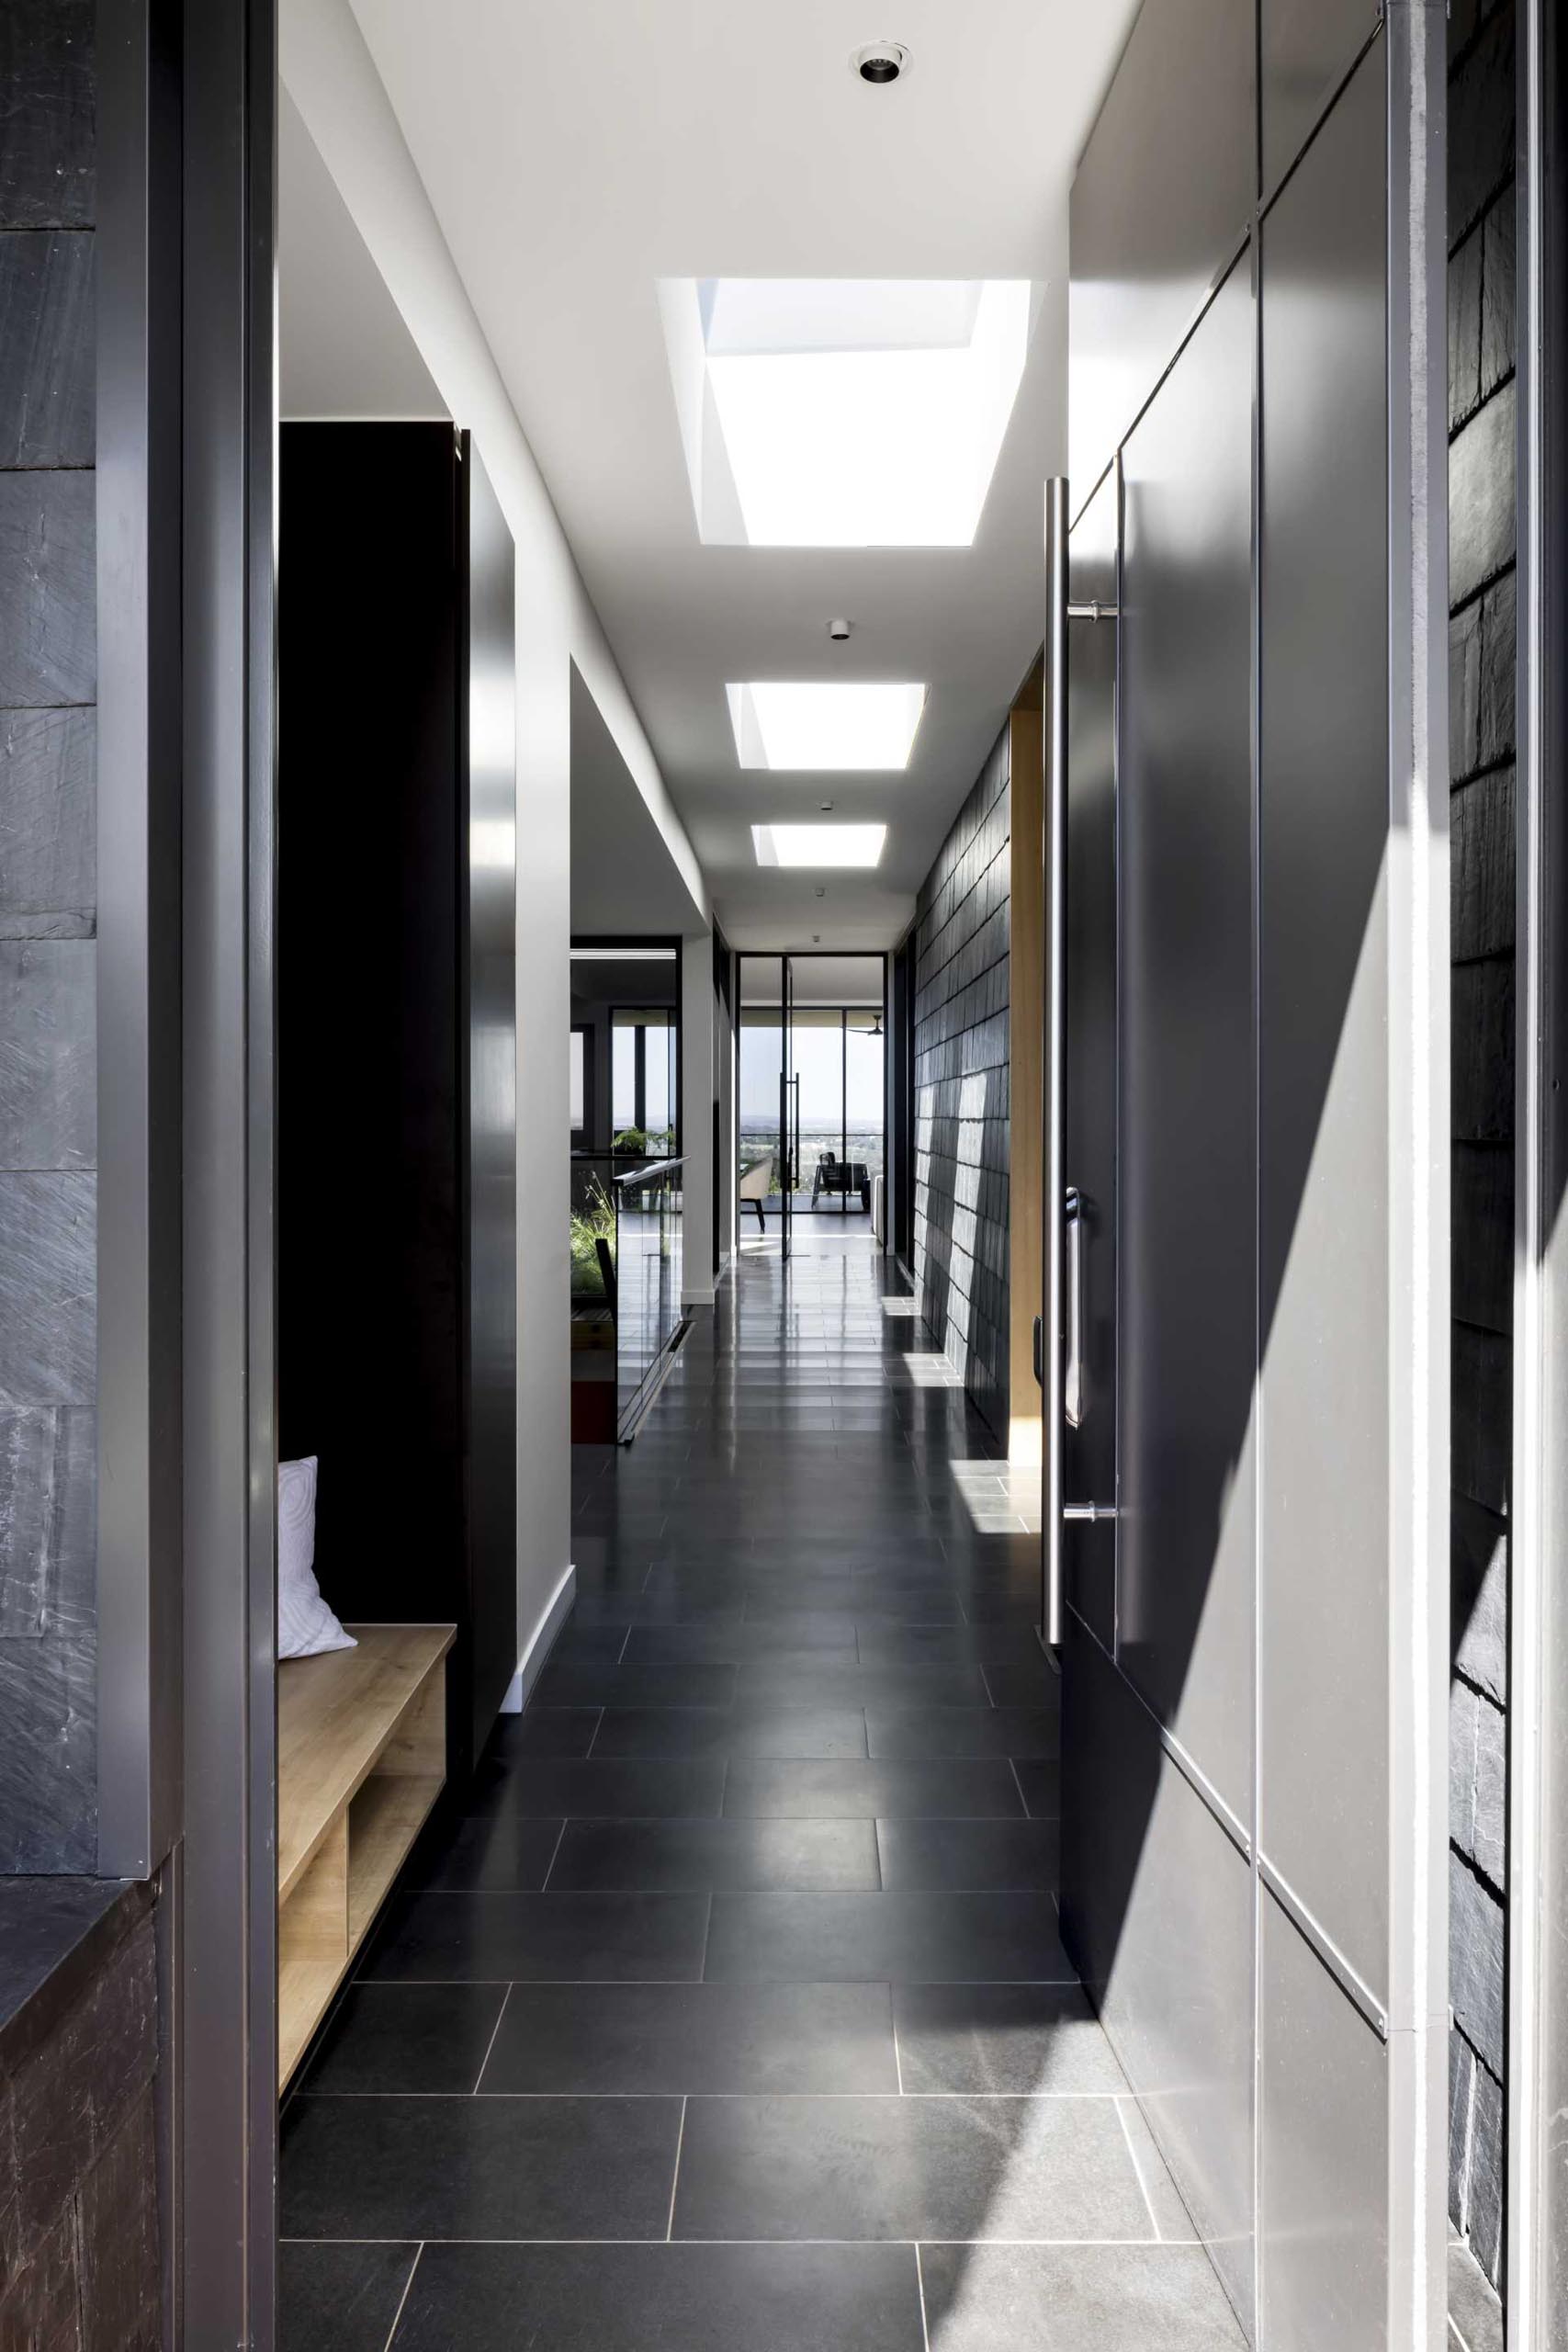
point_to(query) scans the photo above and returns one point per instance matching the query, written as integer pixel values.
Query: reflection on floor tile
(594, 2039)
(690, 2297)
(908, 2167)
(478, 2167)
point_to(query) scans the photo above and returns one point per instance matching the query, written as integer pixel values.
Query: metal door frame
(188, 409)
(1537, 2251)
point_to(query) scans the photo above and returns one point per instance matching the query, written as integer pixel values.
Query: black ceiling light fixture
(881, 61)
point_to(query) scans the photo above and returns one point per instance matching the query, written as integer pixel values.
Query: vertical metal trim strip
(1417, 1207)
(1537, 2307)
(228, 2028)
(1255, 687)
(1054, 851)
(139, 1025)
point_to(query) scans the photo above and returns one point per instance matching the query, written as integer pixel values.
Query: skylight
(845, 413)
(824, 726)
(821, 845)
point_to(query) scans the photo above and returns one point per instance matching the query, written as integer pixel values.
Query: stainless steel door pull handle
(1074, 1385)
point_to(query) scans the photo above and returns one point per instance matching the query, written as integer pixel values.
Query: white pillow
(306, 1625)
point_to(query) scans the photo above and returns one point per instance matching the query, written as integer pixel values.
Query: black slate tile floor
(729, 2006)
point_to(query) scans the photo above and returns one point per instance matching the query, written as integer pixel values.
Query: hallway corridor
(732, 2012)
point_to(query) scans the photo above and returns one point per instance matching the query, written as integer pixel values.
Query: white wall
(329, 76)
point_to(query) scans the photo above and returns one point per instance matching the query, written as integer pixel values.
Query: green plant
(631, 1139)
(591, 1224)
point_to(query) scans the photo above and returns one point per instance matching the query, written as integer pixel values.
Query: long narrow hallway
(732, 2009)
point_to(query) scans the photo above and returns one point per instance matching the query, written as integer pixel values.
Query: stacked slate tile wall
(961, 1091)
(48, 956)
(80, 2259)
(1481, 549)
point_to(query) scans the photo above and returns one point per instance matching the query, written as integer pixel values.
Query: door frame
(1537, 2088)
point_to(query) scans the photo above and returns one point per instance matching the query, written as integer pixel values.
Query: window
(577, 1082)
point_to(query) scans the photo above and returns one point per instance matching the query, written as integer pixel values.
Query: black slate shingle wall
(961, 1091)
(48, 889)
(1481, 689)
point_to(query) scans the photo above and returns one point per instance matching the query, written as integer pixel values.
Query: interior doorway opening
(812, 1129)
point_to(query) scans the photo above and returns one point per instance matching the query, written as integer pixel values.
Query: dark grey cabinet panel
(1157, 1913)
(1187, 1122)
(1150, 232)
(1306, 47)
(1323, 1068)
(1322, 2158)
(1088, 1459)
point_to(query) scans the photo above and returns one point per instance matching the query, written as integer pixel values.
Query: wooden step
(361, 1761)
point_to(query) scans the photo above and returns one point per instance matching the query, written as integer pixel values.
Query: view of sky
(819, 1061)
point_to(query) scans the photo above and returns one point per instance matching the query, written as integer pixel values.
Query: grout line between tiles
(814, 2098)
(489, 2045)
(920, 2284)
(600, 1724)
(555, 1849)
(702, 1976)
(621, 1654)
(675, 2178)
(403, 2299)
(1012, 1767)
(1137, 2169)
(759, 2242)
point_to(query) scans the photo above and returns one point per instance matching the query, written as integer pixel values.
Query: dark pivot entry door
(397, 1040)
(1255, 1666)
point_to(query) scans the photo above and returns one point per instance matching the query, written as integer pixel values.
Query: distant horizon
(770, 1118)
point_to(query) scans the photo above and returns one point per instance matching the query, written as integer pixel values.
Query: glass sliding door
(789, 1106)
(762, 1126)
(819, 1068)
(813, 1089)
(865, 1090)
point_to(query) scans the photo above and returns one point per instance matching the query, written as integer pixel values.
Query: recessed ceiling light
(881, 61)
(864, 725)
(819, 845)
(844, 411)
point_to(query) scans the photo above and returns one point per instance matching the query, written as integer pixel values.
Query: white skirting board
(534, 1658)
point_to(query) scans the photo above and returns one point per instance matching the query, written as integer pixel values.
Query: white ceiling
(576, 152)
(623, 880)
(815, 979)
(343, 349)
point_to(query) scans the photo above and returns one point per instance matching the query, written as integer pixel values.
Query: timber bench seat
(361, 1761)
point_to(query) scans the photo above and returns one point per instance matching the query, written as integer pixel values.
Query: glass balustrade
(625, 1288)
